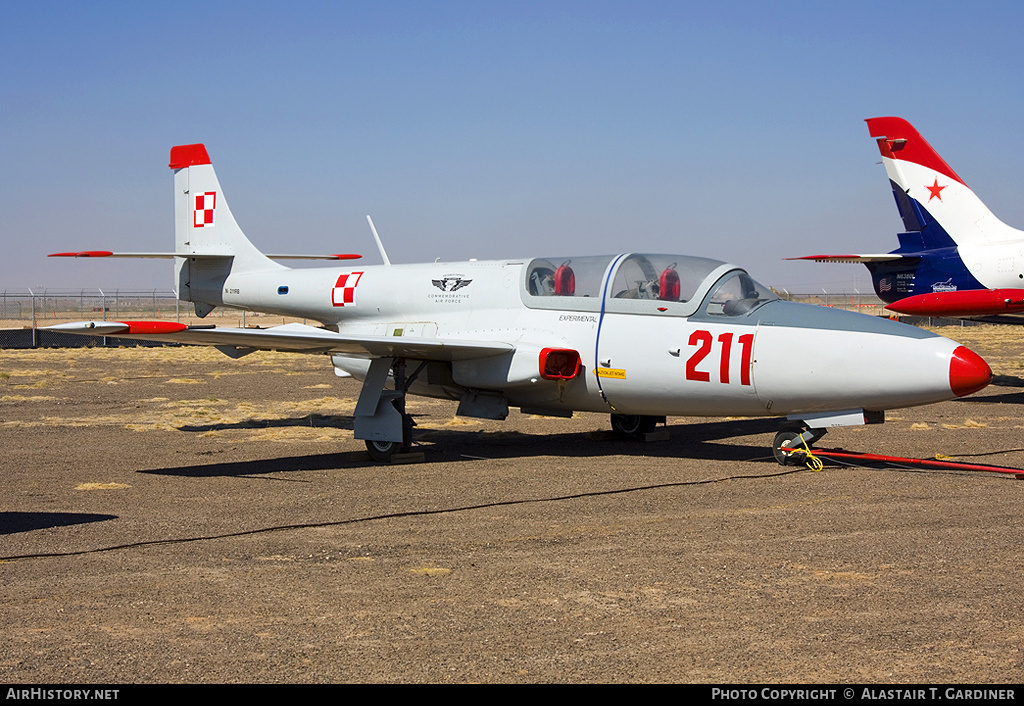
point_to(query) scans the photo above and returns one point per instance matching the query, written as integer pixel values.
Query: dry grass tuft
(459, 422)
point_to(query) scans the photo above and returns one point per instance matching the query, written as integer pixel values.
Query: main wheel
(633, 426)
(785, 440)
(382, 451)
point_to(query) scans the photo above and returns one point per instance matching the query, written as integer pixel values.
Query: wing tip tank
(124, 328)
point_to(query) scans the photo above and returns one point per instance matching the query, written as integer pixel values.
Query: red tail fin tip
(188, 156)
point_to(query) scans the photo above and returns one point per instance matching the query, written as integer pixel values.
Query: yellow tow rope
(810, 460)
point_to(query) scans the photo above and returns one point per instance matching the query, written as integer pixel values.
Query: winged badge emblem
(450, 284)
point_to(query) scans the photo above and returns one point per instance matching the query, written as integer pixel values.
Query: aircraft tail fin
(936, 205)
(205, 227)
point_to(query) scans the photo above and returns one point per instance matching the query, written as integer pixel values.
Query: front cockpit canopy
(736, 295)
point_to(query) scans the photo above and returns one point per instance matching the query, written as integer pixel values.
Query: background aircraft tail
(947, 226)
(938, 209)
(205, 229)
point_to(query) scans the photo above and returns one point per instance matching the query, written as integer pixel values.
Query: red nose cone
(968, 372)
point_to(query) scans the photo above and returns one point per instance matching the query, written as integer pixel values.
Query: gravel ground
(177, 516)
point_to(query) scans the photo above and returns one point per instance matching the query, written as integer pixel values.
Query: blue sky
(730, 130)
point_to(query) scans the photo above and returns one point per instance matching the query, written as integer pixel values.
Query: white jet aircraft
(638, 336)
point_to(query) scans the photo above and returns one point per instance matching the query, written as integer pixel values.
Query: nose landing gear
(790, 446)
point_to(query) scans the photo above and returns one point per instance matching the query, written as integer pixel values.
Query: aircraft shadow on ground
(691, 441)
(1002, 381)
(1005, 398)
(320, 421)
(14, 522)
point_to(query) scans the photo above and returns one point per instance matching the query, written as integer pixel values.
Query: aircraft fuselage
(641, 354)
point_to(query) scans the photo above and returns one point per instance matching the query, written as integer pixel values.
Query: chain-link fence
(25, 314)
(867, 303)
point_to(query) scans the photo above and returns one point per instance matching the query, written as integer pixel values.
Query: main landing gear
(380, 418)
(789, 445)
(634, 426)
(384, 451)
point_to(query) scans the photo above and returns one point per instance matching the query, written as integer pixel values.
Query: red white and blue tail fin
(951, 241)
(932, 198)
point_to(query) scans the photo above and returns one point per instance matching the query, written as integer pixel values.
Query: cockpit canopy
(642, 283)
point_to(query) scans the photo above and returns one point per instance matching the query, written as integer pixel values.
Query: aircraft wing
(296, 338)
(883, 257)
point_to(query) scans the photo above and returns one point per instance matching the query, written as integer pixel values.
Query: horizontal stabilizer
(171, 255)
(336, 256)
(297, 338)
(885, 257)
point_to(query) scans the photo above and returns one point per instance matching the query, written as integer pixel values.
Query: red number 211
(704, 340)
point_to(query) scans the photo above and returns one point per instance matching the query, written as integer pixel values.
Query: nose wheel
(789, 445)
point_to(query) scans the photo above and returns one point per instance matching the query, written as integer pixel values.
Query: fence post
(32, 296)
(103, 310)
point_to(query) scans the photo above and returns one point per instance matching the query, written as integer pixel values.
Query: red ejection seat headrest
(668, 284)
(565, 280)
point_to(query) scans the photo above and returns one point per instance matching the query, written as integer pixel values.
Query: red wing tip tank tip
(968, 372)
(142, 327)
